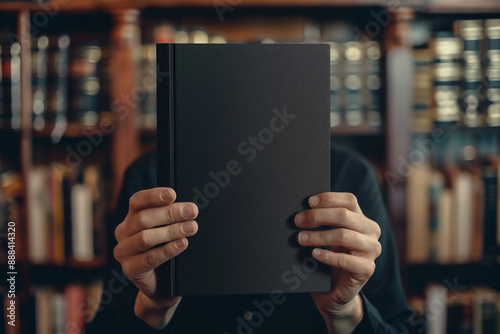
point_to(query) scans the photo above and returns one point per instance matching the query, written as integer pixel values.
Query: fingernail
(165, 195)
(300, 218)
(303, 237)
(187, 211)
(316, 252)
(313, 201)
(188, 227)
(180, 243)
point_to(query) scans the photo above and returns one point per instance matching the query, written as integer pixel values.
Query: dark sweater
(384, 305)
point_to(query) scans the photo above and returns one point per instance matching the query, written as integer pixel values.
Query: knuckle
(343, 261)
(315, 216)
(169, 213)
(141, 220)
(352, 199)
(150, 258)
(330, 197)
(378, 249)
(344, 236)
(127, 270)
(118, 231)
(116, 253)
(343, 215)
(144, 239)
(170, 232)
(370, 269)
(167, 252)
(132, 202)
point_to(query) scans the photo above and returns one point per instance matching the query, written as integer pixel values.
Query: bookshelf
(125, 25)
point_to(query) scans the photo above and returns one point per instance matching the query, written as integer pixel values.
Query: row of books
(452, 206)
(354, 73)
(457, 76)
(66, 215)
(54, 309)
(69, 82)
(451, 308)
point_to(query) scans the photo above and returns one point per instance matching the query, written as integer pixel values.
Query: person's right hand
(153, 232)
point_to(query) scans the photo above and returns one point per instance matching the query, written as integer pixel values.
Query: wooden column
(26, 156)
(125, 93)
(399, 69)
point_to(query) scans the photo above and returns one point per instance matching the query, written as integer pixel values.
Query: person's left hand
(354, 248)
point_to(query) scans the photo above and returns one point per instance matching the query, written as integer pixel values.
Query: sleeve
(385, 309)
(116, 311)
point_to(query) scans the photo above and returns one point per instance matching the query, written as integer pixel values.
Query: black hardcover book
(243, 131)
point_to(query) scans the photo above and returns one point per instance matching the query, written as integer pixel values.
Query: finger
(153, 217)
(335, 200)
(350, 263)
(341, 237)
(149, 238)
(149, 198)
(340, 217)
(137, 265)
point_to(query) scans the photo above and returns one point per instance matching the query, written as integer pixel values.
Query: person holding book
(152, 228)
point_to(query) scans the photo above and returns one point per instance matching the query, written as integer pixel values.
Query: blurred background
(415, 89)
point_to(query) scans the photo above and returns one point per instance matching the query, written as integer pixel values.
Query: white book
(82, 226)
(58, 313)
(436, 306)
(463, 207)
(38, 227)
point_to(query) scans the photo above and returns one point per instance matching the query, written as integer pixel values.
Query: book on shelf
(472, 35)
(66, 215)
(453, 196)
(493, 72)
(85, 83)
(353, 83)
(57, 79)
(282, 82)
(422, 88)
(39, 62)
(467, 310)
(466, 76)
(359, 104)
(10, 117)
(372, 83)
(447, 75)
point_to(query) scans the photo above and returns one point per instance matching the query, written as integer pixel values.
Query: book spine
(57, 79)
(85, 84)
(39, 55)
(422, 94)
(446, 77)
(82, 222)
(38, 229)
(490, 181)
(493, 72)
(335, 84)
(353, 54)
(471, 32)
(373, 84)
(11, 69)
(165, 58)
(435, 191)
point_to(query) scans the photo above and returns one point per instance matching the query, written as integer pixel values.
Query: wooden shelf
(61, 275)
(361, 130)
(469, 274)
(436, 6)
(104, 5)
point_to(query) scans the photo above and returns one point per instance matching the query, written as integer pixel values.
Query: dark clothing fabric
(384, 305)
